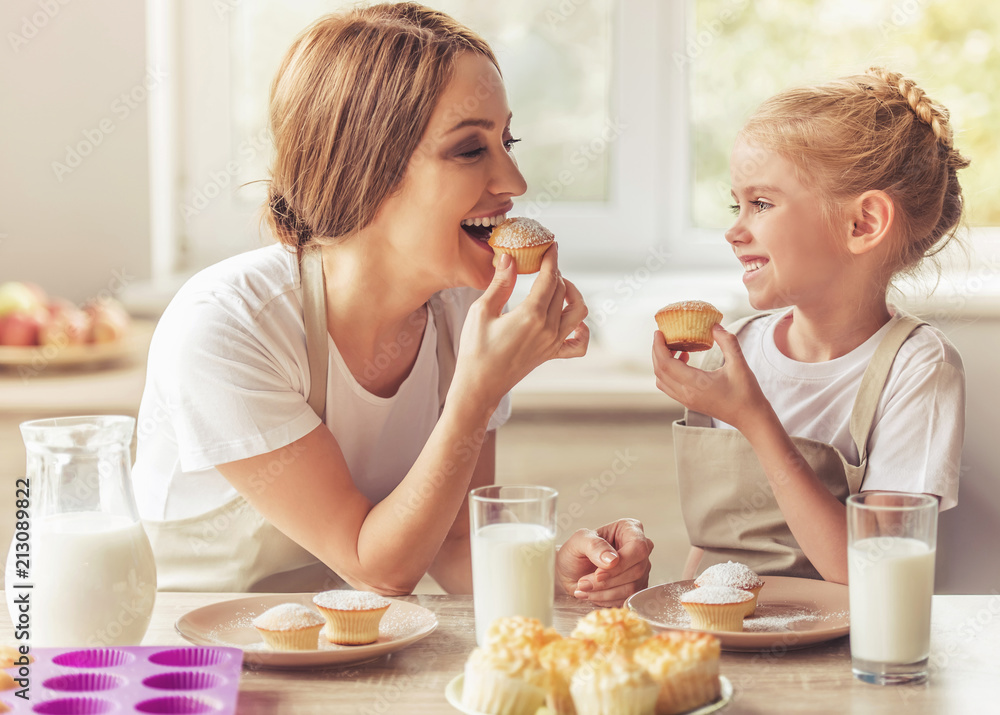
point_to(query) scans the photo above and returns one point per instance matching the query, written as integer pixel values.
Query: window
(627, 108)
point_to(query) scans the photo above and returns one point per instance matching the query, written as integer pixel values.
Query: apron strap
(873, 381)
(445, 349)
(317, 335)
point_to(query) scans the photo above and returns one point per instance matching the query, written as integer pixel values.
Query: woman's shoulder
(253, 278)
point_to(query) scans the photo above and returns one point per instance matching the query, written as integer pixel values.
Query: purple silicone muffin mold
(146, 679)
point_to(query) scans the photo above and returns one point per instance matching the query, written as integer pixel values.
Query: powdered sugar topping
(716, 595)
(520, 233)
(288, 617)
(346, 600)
(732, 574)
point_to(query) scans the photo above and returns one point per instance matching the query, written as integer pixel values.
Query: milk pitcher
(80, 570)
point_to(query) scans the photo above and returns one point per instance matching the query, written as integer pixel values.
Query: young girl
(838, 189)
(296, 431)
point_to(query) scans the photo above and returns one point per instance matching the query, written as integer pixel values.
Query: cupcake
(687, 325)
(560, 659)
(613, 629)
(290, 626)
(520, 632)
(523, 238)
(612, 684)
(716, 608)
(503, 679)
(685, 666)
(734, 575)
(352, 617)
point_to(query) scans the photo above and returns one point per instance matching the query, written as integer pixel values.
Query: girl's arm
(731, 394)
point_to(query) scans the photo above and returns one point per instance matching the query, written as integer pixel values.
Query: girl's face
(789, 251)
(461, 173)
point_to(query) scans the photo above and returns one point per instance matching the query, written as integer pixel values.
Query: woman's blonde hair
(350, 102)
(875, 131)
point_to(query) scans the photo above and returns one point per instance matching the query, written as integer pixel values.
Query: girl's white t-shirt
(228, 378)
(916, 440)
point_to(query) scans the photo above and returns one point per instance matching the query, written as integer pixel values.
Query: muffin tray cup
(145, 679)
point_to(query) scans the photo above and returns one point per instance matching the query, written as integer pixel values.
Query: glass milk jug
(84, 575)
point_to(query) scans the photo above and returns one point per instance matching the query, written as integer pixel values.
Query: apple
(66, 325)
(18, 297)
(23, 328)
(109, 320)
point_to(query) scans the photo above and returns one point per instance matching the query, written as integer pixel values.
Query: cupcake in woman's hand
(687, 326)
(290, 626)
(524, 239)
(716, 608)
(352, 617)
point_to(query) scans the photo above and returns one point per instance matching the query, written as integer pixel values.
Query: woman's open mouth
(481, 228)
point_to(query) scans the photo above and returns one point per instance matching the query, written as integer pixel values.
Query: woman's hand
(605, 566)
(498, 349)
(730, 394)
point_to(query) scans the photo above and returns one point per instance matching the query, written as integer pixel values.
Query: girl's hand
(498, 349)
(730, 394)
(605, 566)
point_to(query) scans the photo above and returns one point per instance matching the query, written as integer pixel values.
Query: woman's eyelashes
(759, 204)
(478, 151)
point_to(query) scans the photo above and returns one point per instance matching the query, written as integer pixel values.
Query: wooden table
(965, 667)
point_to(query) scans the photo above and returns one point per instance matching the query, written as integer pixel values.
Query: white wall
(77, 69)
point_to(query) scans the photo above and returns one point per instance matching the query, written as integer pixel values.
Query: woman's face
(461, 171)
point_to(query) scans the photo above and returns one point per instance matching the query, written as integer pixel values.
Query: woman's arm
(731, 394)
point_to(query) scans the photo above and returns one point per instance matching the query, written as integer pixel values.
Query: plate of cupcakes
(747, 612)
(304, 630)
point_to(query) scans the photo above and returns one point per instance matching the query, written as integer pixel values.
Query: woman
(392, 140)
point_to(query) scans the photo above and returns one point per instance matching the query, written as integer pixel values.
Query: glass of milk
(891, 540)
(84, 574)
(513, 533)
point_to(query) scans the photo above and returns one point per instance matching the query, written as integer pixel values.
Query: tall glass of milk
(513, 533)
(891, 540)
(80, 570)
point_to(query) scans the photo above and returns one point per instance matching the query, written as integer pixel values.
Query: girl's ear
(871, 216)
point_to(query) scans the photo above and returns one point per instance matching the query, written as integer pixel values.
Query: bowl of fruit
(38, 330)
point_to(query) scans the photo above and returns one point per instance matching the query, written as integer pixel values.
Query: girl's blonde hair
(350, 102)
(876, 131)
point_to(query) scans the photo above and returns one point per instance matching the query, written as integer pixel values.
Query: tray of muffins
(302, 630)
(612, 663)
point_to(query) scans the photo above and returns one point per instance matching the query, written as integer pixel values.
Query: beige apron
(233, 548)
(726, 500)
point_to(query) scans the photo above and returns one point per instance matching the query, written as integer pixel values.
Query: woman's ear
(871, 218)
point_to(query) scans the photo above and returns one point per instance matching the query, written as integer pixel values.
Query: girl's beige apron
(726, 500)
(233, 548)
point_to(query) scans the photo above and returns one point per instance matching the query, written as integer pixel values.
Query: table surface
(965, 663)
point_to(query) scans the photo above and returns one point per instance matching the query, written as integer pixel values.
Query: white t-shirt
(916, 439)
(228, 378)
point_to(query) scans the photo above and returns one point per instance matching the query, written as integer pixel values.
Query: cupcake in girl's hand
(524, 239)
(687, 326)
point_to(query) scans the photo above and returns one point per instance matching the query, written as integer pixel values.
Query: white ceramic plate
(791, 613)
(229, 624)
(453, 693)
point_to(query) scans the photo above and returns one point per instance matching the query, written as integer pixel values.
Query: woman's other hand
(605, 566)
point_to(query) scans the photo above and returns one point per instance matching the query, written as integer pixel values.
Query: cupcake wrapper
(638, 700)
(716, 616)
(529, 260)
(559, 699)
(687, 330)
(752, 605)
(300, 639)
(352, 627)
(489, 691)
(689, 688)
